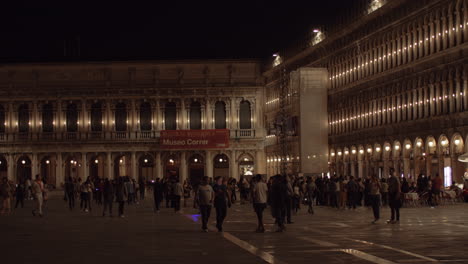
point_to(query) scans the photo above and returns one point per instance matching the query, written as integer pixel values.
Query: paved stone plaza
(330, 236)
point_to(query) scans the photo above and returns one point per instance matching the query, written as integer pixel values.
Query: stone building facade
(386, 90)
(104, 119)
(397, 90)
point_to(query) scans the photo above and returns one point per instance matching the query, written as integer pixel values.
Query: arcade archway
(48, 170)
(221, 166)
(196, 169)
(146, 170)
(172, 167)
(97, 166)
(23, 170)
(3, 167)
(122, 166)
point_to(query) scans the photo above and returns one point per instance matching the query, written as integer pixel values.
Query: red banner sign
(194, 139)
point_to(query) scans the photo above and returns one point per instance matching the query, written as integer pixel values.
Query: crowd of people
(284, 195)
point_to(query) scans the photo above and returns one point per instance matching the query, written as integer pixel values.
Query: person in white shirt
(37, 191)
(259, 195)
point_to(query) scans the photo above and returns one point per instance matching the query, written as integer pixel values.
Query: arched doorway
(246, 165)
(3, 167)
(23, 170)
(96, 167)
(196, 167)
(146, 168)
(71, 168)
(171, 167)
(122, 166)
(221, 166)
(48, 170)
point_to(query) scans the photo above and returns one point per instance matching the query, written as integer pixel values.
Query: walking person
(384, 188)
(394, 197)
(353, 189)
(20, 193)
(108, 194)
(205, 197)
(187, 189)
(278, 200)
(142, 188)
(37, 189)
(374, 197)
(289, 199)
(6, 193)
(260, 197)
(222, 201)
(121, 195)
(70, 193)
(311, 189)
(158, 191)
(177, 191)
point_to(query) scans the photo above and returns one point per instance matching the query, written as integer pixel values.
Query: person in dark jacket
(108, 193)
(20, 192)
(221, 201)
(121, 195)
(278, 200)
(158, 190)
(70, 192)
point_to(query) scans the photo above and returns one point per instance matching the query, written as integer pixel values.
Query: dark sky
(37, 31)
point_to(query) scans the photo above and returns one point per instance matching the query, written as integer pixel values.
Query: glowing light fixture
(457, 142)
(407, 146)
(387, 148)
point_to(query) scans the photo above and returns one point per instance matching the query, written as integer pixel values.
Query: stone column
(58, 120)
(360, 169)
(208, 124)
(233, 122)
(134, 166)
(84, 165)
(109, 165)
(183, 168)
(209, 164)
(84, 121)
(406, 167)
(11, 167)
(59, 176)
(260, 166)
(34, 165)
(233, 166)
(158, 166)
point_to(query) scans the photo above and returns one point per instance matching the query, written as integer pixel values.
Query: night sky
(157, 30)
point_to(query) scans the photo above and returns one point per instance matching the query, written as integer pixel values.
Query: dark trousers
(310, 202)
(288, 209)
(375, 202)
(71, 200)
(107, 204)
(352, 200)
(176, 199)
(259, 207)
(157, 203)
(334, 199)
(121, 208)
(205, 211)
(168, 199)
(19, 200)
(142, 193)
(279, 214)
(395, 204)
(221, 212)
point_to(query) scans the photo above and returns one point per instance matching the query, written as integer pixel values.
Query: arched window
(47, 118)
(170, 116)
(245, 115)
(72, 118)
(145, 116)
(121, 117)
(2, 119)
(23, 118)
(96, 117)
(220, 115)
(195, 115)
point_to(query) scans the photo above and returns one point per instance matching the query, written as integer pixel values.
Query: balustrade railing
(101, 136)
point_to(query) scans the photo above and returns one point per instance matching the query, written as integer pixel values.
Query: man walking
(108, 193)
(278, 199)
(353, 189)
(260, 196)
(394, 197)
(37, 191)
(177, 191)
(205, 197)
(70, 193)
(158, 190)
(221, 201)
(311, 189)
